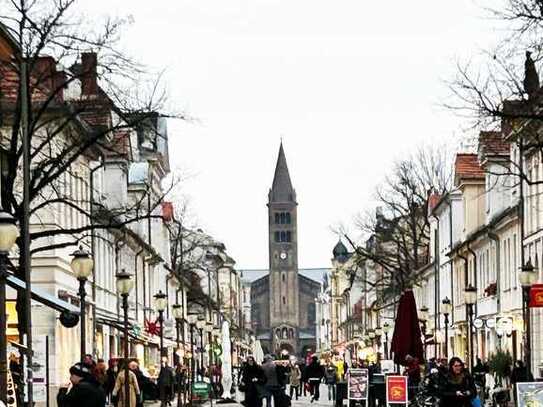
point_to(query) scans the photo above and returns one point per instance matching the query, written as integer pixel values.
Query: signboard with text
(358, 384)
(536, 296)
(396, 390)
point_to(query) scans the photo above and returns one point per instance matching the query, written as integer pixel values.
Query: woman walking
(252, 378)
(133, 389)
(295, 380)
(457, 388)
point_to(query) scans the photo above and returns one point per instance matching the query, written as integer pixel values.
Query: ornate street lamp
(200, 325)
(82, 265)
(8, 235)
(386, 329)
(527, 277)
(192, 319)
(161, 302)
(446, 309)
(470, 298)
(124, 286)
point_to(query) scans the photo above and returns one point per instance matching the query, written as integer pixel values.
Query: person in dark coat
(111, 373)
(314, 374)
(457, 387)
(166, 383)
(252, 378)
(520, 375)
(85, 390)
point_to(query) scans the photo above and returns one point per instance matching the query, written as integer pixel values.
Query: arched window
(287, 217)
(283, 277)
(291, 333)
(289, 236)
(285, 333)
(283, 219)
(283, 236)
(284, 301)
(276, 218)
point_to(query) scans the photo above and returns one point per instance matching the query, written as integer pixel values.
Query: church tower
(283, 259)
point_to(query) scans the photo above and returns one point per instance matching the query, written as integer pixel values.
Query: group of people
(93, 384)
(269, 381)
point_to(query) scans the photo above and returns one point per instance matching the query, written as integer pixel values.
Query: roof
(466, 166)
(493, 143)
(340, 252)
(315, 274)
(282, 190)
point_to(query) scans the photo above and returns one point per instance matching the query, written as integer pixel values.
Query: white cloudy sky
(349, 84)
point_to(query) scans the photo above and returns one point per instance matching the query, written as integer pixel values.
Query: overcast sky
(349, 85)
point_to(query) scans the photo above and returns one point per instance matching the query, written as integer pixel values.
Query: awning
(43, 296)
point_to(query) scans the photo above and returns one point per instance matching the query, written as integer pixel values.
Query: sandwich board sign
(357, 384)
(396, 390)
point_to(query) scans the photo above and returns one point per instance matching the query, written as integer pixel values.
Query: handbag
(476, 402)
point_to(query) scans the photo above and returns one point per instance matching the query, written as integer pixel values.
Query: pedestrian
(252, 380)
(274, 382)
(119, 391)
(457, 388)
(295, 380)
(100, 373)
(83, 390)
(166, 382)
(520, 375)
(330, 378)
(134, 367)
(412, 371)
(17, 376)
(315, 373)
(111, 373)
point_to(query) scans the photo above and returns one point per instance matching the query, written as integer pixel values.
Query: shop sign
(529, 394)
(536, 296)
(358, 384)
(396, 390)
(200, 389)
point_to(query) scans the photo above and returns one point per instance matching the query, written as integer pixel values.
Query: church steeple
(282, 190)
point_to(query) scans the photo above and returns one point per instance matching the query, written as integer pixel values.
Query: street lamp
(161, 303)
(177, 312)
(386, 330)
(200, 325)
(527, 277)
(470, 298)
(423, 318)
(124, 286)
(8, 235)
(82, 265)
(192, 318)
(446, 308)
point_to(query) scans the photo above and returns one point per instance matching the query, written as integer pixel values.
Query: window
(289, 236)
(284, 301)
(277, 236)
(311, 313)
(283, 277)
(277, 218)
(283, 236)
(287, 217)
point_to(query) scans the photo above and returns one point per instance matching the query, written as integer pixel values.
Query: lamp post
(177, 312)
(386, 330)
(527, 277)
(423, 319)
(209, 329)
(81, 266)
(470, 298)
(192, 318)
(446, 308)
(200, 324)
(8, 236)
(378, 336)
(124, 286)
(161, 302)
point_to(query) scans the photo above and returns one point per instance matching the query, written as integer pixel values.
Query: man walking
(274, 381)
(315, 373)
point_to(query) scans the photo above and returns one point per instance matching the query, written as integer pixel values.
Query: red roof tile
(493, 143)
(467, 166)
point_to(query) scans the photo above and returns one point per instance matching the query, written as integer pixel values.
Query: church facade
(283, 300)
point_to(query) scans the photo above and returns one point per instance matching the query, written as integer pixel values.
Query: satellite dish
(68, 319)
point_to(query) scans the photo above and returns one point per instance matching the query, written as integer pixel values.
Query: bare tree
(87, 103)
(397, 236)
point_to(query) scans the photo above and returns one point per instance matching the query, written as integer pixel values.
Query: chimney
(44, 73)
(89, 84)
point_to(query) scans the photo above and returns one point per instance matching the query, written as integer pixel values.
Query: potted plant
(499, 364)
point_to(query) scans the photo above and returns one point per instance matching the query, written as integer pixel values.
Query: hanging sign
(536, 296)
(396, 390)
(358, 384)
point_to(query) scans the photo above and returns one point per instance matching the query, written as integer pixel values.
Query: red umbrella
(406, 339)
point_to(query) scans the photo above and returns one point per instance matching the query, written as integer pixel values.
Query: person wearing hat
(85, 391)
